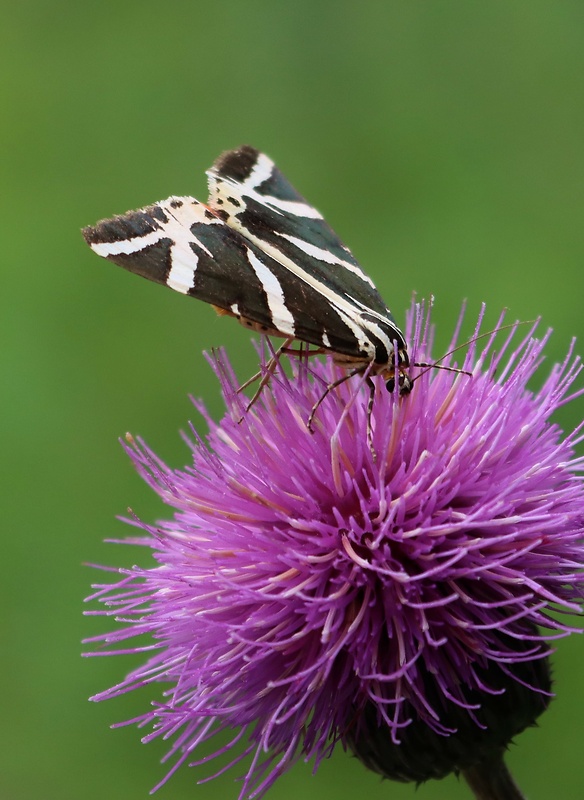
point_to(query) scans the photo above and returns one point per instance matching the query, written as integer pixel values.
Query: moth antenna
(437, 365)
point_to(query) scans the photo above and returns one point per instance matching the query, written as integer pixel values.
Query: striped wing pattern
(261, 253)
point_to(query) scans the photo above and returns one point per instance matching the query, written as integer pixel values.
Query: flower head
(309, 589)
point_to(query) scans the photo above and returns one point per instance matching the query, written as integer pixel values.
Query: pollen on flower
(308, 591)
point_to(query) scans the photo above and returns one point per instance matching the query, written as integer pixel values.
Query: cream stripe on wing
(127, 246)
(325, 255)
(281, 317)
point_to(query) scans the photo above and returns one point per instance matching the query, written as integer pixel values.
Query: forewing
(255, 198)
(182, 244)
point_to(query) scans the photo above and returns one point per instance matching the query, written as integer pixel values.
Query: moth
(257, 251)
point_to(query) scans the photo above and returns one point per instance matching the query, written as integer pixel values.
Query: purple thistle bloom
(308, 591)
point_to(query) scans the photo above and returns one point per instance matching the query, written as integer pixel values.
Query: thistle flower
(401, 601)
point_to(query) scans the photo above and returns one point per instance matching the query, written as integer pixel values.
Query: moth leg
(284, 349)
(327, 391)
(302, 352)
(371, 387)
(249, 381)
(267, 373)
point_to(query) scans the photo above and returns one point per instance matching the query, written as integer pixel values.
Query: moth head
(404, 381)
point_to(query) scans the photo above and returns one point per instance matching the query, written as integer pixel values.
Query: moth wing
(258, 251)
(183, 244)
(254, 197)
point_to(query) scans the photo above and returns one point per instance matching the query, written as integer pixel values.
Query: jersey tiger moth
(259, 252)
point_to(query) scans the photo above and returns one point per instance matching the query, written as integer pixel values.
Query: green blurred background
(444, 142)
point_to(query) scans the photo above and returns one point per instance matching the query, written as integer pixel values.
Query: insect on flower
(259, 252)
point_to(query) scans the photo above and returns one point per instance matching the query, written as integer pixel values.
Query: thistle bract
(309, 589)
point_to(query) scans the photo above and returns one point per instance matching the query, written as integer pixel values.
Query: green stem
(491, 780)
